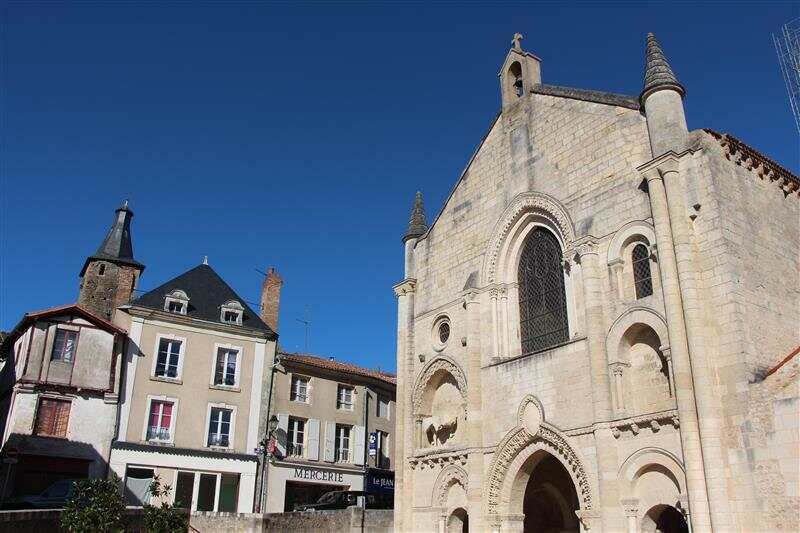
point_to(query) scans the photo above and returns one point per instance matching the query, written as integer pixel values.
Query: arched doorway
(458, 521)
(664, 519)
(550, 498)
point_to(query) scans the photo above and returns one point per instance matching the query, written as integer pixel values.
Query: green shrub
(96, 506)
(163, 518)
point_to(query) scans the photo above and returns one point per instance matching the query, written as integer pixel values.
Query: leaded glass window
(542, 297)
(642, 277)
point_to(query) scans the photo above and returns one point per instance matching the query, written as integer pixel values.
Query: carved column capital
(405, 287)
(586, 246)
(618, 367)
(617, 264)
(470, 297)
(590, 519)
(631, 506)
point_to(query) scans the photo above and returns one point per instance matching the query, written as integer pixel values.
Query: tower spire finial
(516, 42)
(417, 224)
(657, 71)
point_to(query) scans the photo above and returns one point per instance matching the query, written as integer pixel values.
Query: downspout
(114, 436)
(366, 438)
(261, 491)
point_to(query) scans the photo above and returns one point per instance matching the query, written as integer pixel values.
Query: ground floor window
(207, 491)
(301, 493)
(137, 485)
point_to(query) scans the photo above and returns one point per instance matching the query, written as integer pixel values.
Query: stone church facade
(598, 330)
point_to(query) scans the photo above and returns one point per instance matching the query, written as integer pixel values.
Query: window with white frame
(382, 452)
(342, 444)
(299, 389)
(296, 434)
(168, 358)
(176, 301)
(219, 427)
(160, 419)
(226, 366)
(382, 407)
(344, 398)
(231, 312)
(64, 345)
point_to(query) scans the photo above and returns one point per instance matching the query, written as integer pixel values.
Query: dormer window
(176, 302)
(232, 312)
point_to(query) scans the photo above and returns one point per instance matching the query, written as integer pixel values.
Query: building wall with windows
(59, 388)
(195, 372)
(326, 411)
(593, 331)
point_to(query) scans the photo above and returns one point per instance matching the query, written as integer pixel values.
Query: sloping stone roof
(338, 366)
(117, 247)
(750, 158)
(599, 97)
(657, 72)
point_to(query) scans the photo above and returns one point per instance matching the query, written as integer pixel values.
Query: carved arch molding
(451, 475)
(545, 437)
(538, 204)
(440, 363)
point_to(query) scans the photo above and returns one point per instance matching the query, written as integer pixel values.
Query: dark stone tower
(109, 275)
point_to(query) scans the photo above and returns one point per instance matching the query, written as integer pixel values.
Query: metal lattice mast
(787, 45)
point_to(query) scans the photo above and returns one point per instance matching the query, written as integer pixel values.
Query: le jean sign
(318, 475)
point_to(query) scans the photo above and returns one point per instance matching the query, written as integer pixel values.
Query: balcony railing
(342, 455)
(218, 440)
(294, 450)
(158, 433)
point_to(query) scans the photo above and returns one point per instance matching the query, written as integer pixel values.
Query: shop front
(289, 484)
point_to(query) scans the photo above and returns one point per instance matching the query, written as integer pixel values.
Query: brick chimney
(271, 298)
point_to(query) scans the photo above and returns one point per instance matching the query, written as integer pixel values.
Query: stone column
(631, 507)
(495, 324)
(403, 431)
(684, 388)
(617, 267)
(607, 460)
(709, 409)
(474, 411)
(617, 368)
(504, 325)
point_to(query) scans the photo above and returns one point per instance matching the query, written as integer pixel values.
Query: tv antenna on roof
(307, 323)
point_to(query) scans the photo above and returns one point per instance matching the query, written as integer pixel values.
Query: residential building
(326, 411)
(58, 398)
(599, 329)
(195, 371)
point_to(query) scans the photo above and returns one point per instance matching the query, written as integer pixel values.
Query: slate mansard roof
(207, 292)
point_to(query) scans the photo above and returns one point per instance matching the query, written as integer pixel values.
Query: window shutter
(330, 438)
(62, 419)
(313, 439)
(45, 417)
(358, 445)
(281, 434)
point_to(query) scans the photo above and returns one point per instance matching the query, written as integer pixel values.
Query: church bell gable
(520, 72)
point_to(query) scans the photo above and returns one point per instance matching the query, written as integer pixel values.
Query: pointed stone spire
(417, 224)
(657, 72)
(117, 247)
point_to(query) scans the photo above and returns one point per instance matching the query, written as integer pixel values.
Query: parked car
(53, 497)
(341, 499)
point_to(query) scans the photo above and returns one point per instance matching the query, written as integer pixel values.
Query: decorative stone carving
(530, 415)
(654, 421)
(539, 204)
(547, 438)
(435, 365)
(436, 458)
(449, 476)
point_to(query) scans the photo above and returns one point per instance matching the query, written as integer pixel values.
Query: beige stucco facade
(316, 466)
(186, 446)
(662, 411)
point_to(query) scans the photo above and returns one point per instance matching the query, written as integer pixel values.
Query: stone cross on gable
(517, 41)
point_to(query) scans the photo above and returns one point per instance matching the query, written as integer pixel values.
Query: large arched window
(643, 280)
(542, 298)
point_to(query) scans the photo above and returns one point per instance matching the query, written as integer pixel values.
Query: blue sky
(295, 135)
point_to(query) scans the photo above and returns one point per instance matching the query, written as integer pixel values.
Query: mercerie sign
(318, 475)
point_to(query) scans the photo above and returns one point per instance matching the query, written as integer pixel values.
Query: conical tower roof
(417, 224)
(657, 72)
(117, 247)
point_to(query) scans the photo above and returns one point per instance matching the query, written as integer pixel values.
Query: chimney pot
(271, 298)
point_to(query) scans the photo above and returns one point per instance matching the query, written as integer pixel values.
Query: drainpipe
(262, 488)
(366, 440)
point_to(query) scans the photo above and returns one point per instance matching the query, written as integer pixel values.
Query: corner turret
(662, 100)
(417, 226)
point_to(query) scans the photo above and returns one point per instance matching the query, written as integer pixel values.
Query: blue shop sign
(380, 482)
